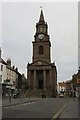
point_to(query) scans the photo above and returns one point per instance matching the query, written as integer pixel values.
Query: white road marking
(59, 112)
(19, 104)
(28, 103)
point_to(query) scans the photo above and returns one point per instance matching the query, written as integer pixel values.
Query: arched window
(40, 50)
(41, 29)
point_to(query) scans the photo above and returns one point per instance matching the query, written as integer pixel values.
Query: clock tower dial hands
(40, 36)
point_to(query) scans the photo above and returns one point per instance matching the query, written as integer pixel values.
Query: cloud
(19, 20)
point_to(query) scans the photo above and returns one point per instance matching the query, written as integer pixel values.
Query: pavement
(15, 101)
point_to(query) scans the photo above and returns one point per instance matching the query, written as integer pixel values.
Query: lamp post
(20, 94)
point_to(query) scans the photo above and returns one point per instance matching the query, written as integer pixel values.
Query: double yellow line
(59, 112)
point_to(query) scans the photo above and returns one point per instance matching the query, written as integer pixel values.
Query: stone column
(34, 82)
(51, 84)
(44, 79)
(29, 78)
(50, 79)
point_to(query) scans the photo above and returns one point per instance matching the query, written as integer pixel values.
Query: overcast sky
(18, 29)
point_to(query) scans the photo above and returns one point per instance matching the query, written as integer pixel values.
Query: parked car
(61, 95)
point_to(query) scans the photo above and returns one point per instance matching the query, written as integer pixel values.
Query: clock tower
(41, 73)
(41, 44)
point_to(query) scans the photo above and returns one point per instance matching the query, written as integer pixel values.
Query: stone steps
(37, 93)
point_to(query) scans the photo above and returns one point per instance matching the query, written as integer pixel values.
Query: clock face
(40, 36)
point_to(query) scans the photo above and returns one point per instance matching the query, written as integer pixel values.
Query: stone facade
(41, 73)
(62, 87)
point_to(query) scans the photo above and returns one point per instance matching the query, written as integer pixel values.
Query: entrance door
(40, 84)
(40, 78)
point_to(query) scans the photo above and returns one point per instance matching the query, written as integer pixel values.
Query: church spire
(41, 19)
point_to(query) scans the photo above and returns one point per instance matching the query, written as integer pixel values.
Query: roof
(62, 84)
(2, 61)
(69, 81)
(41, 19)
(41, 62)
(11, 68)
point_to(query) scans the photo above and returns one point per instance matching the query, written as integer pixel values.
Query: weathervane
(41, 7)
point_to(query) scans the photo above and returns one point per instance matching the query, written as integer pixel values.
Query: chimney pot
(13, 66)
(9, 62)
(17, 69)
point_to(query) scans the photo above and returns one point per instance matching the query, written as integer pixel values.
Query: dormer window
(1, 67)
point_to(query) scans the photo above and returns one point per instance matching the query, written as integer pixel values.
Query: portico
(39, 76)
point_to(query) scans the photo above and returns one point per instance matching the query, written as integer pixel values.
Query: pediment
(39, 63)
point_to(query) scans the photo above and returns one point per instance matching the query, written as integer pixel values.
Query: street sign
(78, 80)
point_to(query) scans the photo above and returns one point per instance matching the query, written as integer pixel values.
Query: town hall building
(41, 73)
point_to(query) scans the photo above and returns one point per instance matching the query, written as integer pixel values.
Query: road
(45, 108)
(71, 111)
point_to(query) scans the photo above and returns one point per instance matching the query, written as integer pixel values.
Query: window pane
(0, 78)
(1, 67)
(40, 49)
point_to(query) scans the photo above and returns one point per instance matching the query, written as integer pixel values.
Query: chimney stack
(17, 69)
(13, 66)
(9, 62)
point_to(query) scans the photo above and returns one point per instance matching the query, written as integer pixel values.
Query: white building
(8, 75)
(12, 75)
(3, 71)
(61, 87)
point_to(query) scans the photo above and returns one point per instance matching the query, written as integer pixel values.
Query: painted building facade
(10, 78)
(61, 87)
